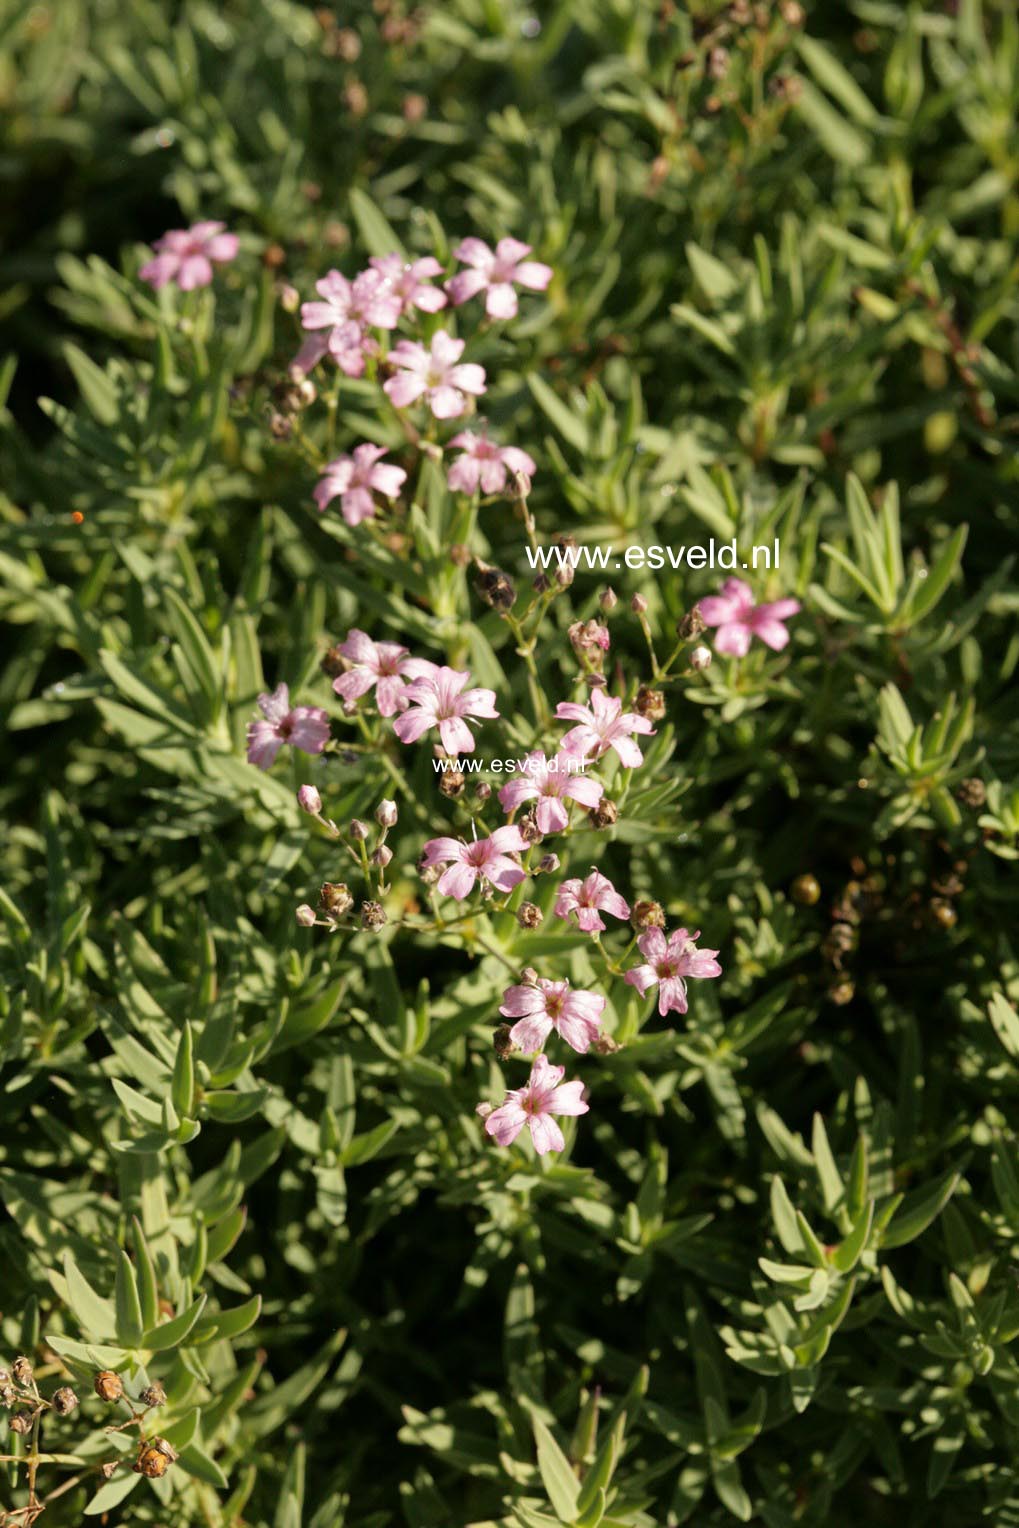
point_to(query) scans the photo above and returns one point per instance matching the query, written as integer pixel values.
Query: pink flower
(669, 964)
(384, 665)
(348, 310)
(434, 375)
(353, 479)
(485, 464)
(738, 619)
(408, 281)
(543, 1095)
(603, 725)
(186, 255)
(587, 898)
(574, 1015)
(439, 700)
(496, 273)
(488, 858)
(551, 781)
(304, 727)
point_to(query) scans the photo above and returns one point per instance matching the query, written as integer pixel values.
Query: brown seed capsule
(359, 831)
(647, 914)
(373, 915)
(528, 977)
(451, 783)
(21, 1422)
(483, 791)
(22, 1371)
(806, 890)
(530, 915)
(604, 814)
(495, 587)
(334, 899)
(604, 1045)
(154, 1458)
(153, 1395)
(501, 1042)
(64, 1401)
(273, 256)
(529, 830)
(972, 792)
(333, 662)
(108, 1386)
(548, 863)
(691, 625)
(650, 703)
(8, 1394)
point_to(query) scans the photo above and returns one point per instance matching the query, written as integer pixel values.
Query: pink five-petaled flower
(574, 1015)
(551, 781)
(185, 255)
(603, 725)
(738, 619)
(440, 700)
(488, 858)
(484, 464)
(305, 727)
(670, 962)
(353, 479)
(543, 1095)
(587, 898)
(347, 311)
(496, 273)
(409, 281)
(386, 665)
(434, 375)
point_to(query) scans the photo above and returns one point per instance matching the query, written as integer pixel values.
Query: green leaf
(173, 1332)
(378, 236)
(128, 1304)
(94, 1315)
(557, 1476)
(919, 1209)
(182, 1086)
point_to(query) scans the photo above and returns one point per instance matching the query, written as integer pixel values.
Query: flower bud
(806, 890)
(691, 625)
(530, 915)
(383, 856)
(604, 814)
(22, 1370)
(373, 915)
(153, 1395)
(482, 791)
(386, 814)
(64, 1401)
(548, 863)
(451, 783)
(604, 1045)
(309, 800)
(638, 604)
(646, 914)
(290, 298)
(280, 427)
(305, 915)
(334, 899)
(608, 599)
(650, 703)
(359, 830)
(108, 1386)
(700, 659)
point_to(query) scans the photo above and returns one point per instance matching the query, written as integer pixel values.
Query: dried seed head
(972, 792)
(373, 915)
(64, 1401)
(334, 899)
(548, 863)
(604, 814)
(646, 914)
(528, 977)
(700, 659)
(8, 1394)
(359, 830)
(280, 427)
(650, 703)
(530, 915)
(541, 584)
(22, 1370)
(154, 1458)
(428, 873)
(21, 1422)
(386, 814)
(153, 1395)
(273, 256)
(528, 825)
(108, 1386)
(691, 625)
(840, 940)
(806, 890)
(333, 662)
(564, 575)
(604, 1045)
(501, 1042)
(495, 587)
(451, 783)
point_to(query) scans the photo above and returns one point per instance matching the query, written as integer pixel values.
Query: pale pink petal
(653, 946)
(545, 1133)
(511, 251)
(508, 840)
(387, 479)
(276, 707)
(501, 301)
(772, 633)
(413, 724)
(505, 1123)
(733, 640)
(578, 1031)
(357, 505)
(568, 1099)
(629, 754)
(405, 389)
(455, 734)
(552, 816)
(446, 348)
(464, 475)
(503, 873)
(465, 285)
(641, 977)
(445, 402)
(530, 1033)
(263, 743)
(672, 995)
(389, 694)
(159, 271)
(353, 685)
(474, 252)
(222, 246)
(195, 271)
(458, 881)
(533, 275)
(478, 703)
(516, 793)
(469, 378)
(584, 789)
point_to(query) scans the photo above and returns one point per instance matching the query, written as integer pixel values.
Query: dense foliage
(262, 1259)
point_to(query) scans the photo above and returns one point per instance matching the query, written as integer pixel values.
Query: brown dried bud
(604, 1045)
(460, 555)
(108, 1386)
(840, 940)
(646, 914)
(333, 662)
(530, 915)
(280, 427)
(336, 234)
(109, 1469)
(373, 915)
(541, 584)
(650, 703)
(154, 1458)
(8, 1394)
(972, 792)
(501, 1042)
(21, 1422)
(548, 863)
(806, 890)
(483, 791)
(359, 831)
(841, 993)
(64, 1401)
(943, 913)
(22, 1370)
(528, 825)
(334, 899)
(528, 977)
(604, 814)
(451, 783)
(691, 625)
(153, 1395)
(495, 587)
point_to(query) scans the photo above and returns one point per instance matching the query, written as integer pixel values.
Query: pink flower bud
(386, 814)
(305, 915)
(309, 800)
(359, 830)
(383, 856)
(700, 659)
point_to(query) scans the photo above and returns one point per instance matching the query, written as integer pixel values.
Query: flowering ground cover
(492, 1037)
